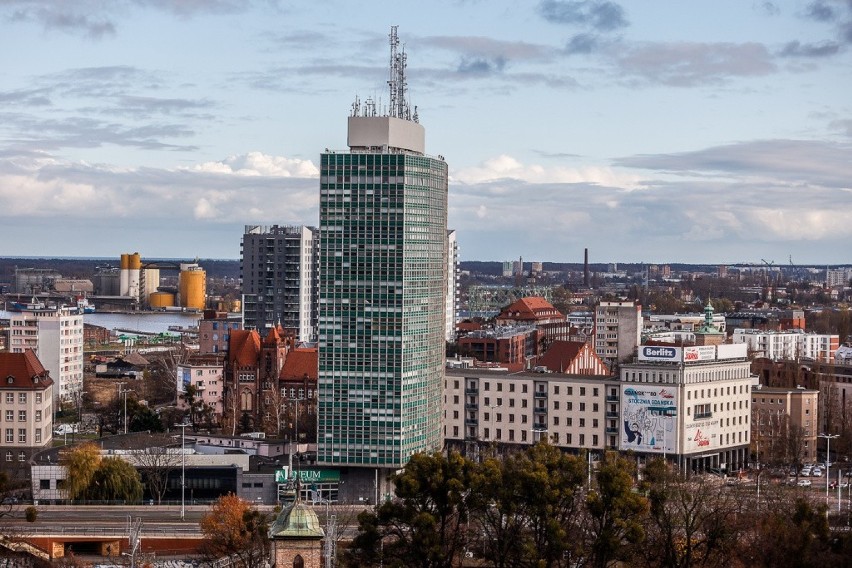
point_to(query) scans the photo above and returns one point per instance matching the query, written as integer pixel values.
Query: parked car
(804, 483)
(817, 472)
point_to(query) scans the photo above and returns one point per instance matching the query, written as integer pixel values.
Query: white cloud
(49, 197)
(260, 164)
(505, 167)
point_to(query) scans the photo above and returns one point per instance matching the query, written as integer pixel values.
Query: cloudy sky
(664, 131)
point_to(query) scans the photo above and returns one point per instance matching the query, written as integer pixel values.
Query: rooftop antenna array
(399, 106)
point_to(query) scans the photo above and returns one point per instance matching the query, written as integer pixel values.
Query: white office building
(691, 404)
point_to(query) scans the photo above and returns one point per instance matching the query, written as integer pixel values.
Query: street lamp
(828, 438)
(123, 391)
(182, 468)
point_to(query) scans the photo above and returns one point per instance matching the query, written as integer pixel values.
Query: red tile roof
(274, 336)
(244, 347)
(529, 308)
(561, 354)
(301, 362)
(22, 367)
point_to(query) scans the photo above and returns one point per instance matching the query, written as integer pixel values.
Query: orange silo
(193, 286)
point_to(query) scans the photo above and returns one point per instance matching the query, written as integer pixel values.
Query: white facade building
(837, 277)
(452, 284)
(689, 403)
(56, 337)
(788, 345)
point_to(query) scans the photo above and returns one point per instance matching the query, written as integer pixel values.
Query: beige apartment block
(785, 422)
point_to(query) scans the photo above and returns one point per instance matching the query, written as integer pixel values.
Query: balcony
(611, 430)
(540, 394)
(611, 414)
(471, 406)
(471, 390)
(612, 398)
(540, 410)
(471, 422)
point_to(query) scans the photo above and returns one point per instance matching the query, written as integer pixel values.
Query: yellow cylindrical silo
(193, 286)
(133, 275)
(161, 300)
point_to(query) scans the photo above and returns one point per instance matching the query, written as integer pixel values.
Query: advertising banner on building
(732, 351)
(649, 419)
(186, 377)
(701, 435)
(699, 353)
(660, 353)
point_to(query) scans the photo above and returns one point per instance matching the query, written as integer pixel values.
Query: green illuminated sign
(307, 476)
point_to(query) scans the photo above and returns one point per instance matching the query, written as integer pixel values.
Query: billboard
(701, 435)
(732, 351)
(649, 418)
(699, 353)
(659, 353)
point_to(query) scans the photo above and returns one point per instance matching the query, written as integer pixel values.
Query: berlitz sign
(659, 353)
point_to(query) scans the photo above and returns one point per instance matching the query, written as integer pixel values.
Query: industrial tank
(193, 286)
(124, 275)
(161, 300)
(134, 262)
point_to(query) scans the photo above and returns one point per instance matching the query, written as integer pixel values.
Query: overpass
(51, 542)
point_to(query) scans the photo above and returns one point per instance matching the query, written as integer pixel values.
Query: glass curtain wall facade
(382, 288)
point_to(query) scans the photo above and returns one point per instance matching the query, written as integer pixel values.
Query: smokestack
(586, 269)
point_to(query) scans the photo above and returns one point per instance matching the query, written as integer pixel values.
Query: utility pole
(123, 391)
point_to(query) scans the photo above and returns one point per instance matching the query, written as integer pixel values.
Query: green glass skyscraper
(382, 286)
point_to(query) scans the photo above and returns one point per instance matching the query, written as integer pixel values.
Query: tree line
(544, 508)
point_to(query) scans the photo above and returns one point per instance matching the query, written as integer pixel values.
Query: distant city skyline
(665, 132)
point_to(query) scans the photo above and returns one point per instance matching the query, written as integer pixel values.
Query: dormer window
(10, 379)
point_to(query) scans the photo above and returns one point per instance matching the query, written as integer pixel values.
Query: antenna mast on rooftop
(397, 85)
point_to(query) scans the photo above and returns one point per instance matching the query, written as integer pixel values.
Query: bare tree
(155, 463)
(795, 445)
(162, 378)
(692, 522)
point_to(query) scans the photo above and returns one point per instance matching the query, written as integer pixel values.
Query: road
(165, 520)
